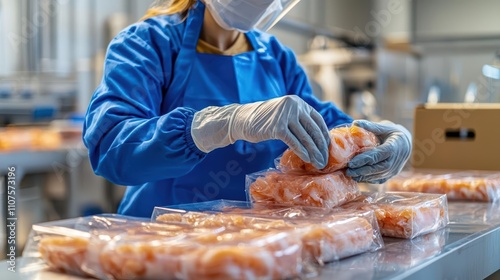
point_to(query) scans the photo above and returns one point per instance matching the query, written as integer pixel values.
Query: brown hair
(168, 7)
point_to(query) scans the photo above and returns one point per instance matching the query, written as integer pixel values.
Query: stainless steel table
(469, 248)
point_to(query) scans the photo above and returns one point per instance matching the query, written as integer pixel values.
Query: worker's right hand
(287, 118)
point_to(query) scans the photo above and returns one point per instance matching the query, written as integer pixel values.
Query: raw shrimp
(328, 190)
(64, 254)
(346, 142)
(405, 215)
(324, 239)
(245, 254)
(456, 186)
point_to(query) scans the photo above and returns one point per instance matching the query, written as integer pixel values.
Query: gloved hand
(287, 118)
(378, 165)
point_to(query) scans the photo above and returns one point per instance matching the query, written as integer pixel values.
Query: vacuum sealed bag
(62, 249)
(346, 142)
(326, 235)
(142, 250)
(457, 185)
(405, 215)
(245, 254)
(326, 190)
(62, 246)
(119, 247)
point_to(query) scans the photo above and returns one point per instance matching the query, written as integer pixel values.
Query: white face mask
(245, 15)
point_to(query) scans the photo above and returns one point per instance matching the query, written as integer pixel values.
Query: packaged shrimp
(457, 185)
(62, 246)
(118, 247)
(325, 190)
(247, 254)
(405, 215)
(65, 246)
(104, 263)
(339, 238)
(60, 249)
(228, 254)
(346, 142)
(327, 235)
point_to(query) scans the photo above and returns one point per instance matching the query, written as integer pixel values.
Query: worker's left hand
(378, 165)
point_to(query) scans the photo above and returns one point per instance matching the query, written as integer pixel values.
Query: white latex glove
(287, 118)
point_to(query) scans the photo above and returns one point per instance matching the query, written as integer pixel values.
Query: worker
(194, 97)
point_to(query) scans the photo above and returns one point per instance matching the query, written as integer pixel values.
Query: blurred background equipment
(492, 70)
(339, 69)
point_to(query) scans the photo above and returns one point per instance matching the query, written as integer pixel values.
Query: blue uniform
(138, 125)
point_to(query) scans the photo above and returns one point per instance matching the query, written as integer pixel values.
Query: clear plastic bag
(118, 247)
(327, 235)
(131, 251)
(326, 190)
(346, 142)
(251, 254)
(137, 256)
(405, 215)
(457, 185)
(62, 245)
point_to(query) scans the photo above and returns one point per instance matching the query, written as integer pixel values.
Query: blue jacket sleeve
(298, 84)
(129, 142)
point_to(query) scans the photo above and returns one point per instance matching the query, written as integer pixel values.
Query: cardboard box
(457, 136)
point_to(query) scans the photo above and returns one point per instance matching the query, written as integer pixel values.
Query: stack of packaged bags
(297, 219)
(294, 182)
(194, 245)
